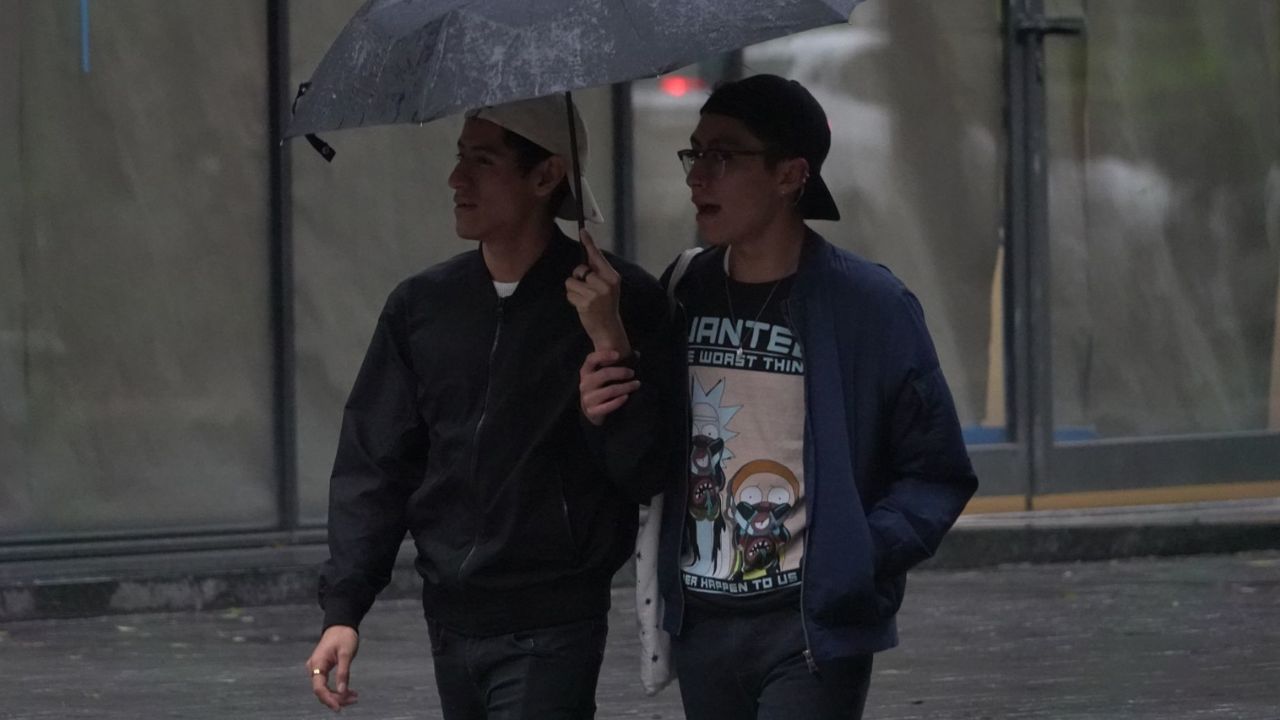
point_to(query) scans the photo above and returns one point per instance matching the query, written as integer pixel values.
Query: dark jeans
(752, 667)
(533, 674)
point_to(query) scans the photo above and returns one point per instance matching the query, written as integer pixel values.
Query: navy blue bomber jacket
(886, 471)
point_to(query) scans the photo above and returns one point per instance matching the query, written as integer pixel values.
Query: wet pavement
(1193, 637)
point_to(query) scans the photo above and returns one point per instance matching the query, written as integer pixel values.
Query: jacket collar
(812, 256)
(549, 270)
(814, 260)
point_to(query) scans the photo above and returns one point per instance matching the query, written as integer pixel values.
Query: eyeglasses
(713, 160)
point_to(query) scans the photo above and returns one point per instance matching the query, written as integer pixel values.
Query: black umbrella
(412, 61)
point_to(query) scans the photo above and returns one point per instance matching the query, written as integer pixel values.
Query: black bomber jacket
(464, 430)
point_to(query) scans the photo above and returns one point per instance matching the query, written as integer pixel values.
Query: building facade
(1085, 196)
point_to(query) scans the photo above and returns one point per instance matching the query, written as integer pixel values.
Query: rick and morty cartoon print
(744, 530)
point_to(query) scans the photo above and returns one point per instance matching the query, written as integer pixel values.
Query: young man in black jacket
(464, 430)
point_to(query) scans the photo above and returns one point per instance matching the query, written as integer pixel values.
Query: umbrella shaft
(577, 169)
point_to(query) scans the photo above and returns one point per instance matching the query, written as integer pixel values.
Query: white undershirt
(505, 289)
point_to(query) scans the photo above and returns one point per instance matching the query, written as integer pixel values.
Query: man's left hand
(603, 386)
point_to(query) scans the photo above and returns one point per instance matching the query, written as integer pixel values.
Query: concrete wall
(136, 347)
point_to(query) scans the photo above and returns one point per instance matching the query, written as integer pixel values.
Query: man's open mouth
(707, 210)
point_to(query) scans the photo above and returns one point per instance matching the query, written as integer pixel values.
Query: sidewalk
(212, 579)
(1111, 533)
(1194, 637)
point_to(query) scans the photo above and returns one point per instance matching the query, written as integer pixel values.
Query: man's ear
(548, 174)
(795, 172)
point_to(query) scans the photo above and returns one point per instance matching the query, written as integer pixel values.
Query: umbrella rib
(631, 25)
(442, 34)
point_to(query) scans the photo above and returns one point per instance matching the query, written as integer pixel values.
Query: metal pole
(624, 214)
(1027, 279)
(284, 363)
(1039, 336)
(1017, 302)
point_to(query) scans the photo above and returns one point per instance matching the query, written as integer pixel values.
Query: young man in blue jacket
(825, 456)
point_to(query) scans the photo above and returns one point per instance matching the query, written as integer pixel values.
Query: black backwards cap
(787, 118)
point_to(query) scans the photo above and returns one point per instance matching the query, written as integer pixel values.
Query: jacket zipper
(804, 626)
(792, 308)
(475, 438)
(683, 317)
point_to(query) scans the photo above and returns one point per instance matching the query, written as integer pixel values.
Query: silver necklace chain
(733, 318)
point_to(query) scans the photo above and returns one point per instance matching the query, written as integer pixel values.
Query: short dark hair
(528, 152)
(528, 155)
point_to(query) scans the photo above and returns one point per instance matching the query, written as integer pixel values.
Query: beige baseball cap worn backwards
(544, 121)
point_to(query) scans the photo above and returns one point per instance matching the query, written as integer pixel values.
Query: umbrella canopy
(412, 61)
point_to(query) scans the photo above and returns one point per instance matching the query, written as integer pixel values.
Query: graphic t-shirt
(744, 530)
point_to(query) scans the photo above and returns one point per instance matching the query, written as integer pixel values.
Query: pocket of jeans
(436, 633)
(584, 637)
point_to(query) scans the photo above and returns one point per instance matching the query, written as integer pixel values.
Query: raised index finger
(588, 242)
(596, 259)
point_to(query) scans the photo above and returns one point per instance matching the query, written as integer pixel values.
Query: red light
(679, 86)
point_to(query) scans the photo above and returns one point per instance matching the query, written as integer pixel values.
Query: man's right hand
(335, 651)
(602, 386)
(595, 289)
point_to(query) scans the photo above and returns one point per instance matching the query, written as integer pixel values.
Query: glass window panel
(376, 215)
(665, 112)
(1164, 200)
(913, 92)
(134, 342)
(15, 486)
